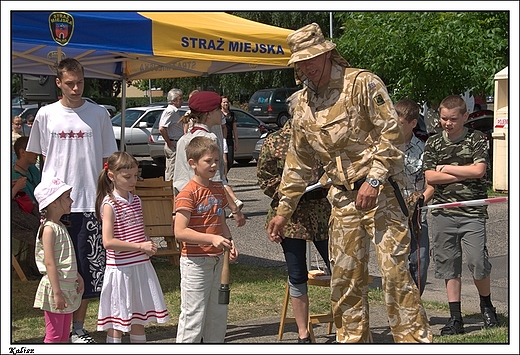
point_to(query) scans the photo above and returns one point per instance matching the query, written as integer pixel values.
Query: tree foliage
(426, 56)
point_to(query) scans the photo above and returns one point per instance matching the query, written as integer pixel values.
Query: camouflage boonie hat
(308, 42)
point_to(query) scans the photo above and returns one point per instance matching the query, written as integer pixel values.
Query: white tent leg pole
(123, 110)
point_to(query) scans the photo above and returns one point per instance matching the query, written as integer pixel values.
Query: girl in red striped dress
(131, 296)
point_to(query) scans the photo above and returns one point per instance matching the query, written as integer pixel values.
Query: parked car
(111, 109)
(269, 105)
(24, 110)
(484, 121)
(250, 129)
(138, 126)
(156, 141)
(163, 104)
(258, 146)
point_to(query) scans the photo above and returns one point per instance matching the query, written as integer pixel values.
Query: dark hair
(115, 162)
(199, 146)
(20, 143)
(69, 64)
(407, 109)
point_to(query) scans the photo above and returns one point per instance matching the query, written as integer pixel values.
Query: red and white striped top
(129, 227)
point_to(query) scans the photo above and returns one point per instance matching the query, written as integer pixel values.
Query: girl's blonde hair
(117, 161)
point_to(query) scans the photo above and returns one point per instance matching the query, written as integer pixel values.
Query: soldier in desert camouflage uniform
(345, 118)
(455, 162)
(309, 222)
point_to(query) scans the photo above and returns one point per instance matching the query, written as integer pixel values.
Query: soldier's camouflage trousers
(349, 242)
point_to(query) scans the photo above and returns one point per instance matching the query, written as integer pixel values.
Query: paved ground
(257, 250)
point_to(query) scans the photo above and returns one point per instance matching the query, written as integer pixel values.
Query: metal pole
(150, 89)
(123, 110)
(330, 26)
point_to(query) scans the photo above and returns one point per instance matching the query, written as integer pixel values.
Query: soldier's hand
(366, 197)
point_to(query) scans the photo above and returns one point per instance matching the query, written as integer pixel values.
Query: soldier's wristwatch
(373, 182)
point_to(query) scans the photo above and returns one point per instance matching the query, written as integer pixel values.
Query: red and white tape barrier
(481, 202)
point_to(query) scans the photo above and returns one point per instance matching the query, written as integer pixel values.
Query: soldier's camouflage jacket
(353, 129)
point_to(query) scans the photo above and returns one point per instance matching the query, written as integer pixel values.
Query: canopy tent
(129, 45)
(145, 45)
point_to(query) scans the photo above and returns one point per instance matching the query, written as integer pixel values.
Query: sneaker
(81, 336)
(306, 340)
(489, 315)
(453, 327)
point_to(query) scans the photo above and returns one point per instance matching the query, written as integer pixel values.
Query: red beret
(204, 101)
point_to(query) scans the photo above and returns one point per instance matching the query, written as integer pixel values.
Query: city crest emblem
(61, 25)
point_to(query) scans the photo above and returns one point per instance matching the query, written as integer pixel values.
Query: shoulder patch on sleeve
(379, 100)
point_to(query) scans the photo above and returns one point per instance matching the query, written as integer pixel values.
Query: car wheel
(242, 162)
(282, 118)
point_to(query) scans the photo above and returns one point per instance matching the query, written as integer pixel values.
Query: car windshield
(130, 117)
(15, 111)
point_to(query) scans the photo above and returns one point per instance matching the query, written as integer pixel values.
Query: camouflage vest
(470, 148)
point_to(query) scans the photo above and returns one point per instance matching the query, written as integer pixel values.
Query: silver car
(138, 126)
(250, 129)
(111, 109)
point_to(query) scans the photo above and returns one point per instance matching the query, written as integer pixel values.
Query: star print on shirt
(71, 134)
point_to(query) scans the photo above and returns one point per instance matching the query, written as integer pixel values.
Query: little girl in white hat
(60, 289)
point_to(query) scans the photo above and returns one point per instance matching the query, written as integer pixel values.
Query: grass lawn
(255, 293)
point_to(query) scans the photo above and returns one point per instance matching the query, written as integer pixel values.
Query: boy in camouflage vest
(455, 162)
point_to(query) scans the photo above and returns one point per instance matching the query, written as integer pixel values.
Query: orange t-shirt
(206, 205)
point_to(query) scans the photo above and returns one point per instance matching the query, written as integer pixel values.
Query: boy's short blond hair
(199, 146)
(454, 101)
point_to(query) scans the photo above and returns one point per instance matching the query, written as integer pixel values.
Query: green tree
(426, 56)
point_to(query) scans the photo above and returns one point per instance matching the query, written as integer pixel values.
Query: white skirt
(131, 295)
